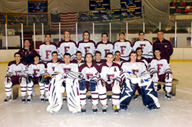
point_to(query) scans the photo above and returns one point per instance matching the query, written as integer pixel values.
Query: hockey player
(161, 66)
(135, 73)
(122, 45)
(16, 74)
(27, 52)
(118, 59)
(145, 44)
(67, 46)
(104, 46)
(78, 60)
(51, 65)
(36, 73)
(98, 59)
(89, 71)
(86, 45)
(46, 48)
(110, 81)
(164, 45)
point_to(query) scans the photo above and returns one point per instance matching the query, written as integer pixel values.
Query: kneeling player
(135, 73)
(164, 71)
(110, 81)
(16, 74)
(89, 71)
(36, 72)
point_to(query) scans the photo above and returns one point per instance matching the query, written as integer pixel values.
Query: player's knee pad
(101, 84)
(116, 87)
(7, 82)
(41, 79)
(41, 84)
(82, 84)
(29, 79)
(92, 85)
(168, 78)
(30, 84)
(23, 81)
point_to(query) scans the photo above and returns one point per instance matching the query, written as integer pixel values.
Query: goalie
(135, 73)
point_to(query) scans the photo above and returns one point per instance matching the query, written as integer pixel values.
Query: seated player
(110, 81)
(89, 71)
(16, 74)
(67, 45)
(51, 65)
(123, 45)
(135, 73)
(98, 59)
(161, 66)
(139, 56)
(78, 60)
(36, 72)
(118, 59)
(104, 46)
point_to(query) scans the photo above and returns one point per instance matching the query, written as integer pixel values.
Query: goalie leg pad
(150, 97)
(92, 85)
(82, 84)
(126, 94)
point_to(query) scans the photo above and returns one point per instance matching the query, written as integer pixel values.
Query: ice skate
(104, 108)
(94, 108)
(29, 98)
(23, 99)
(42, 98)
(7, 99)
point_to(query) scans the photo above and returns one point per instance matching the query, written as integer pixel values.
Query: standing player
(86, 45)
(27, 53)
(67, 46)
(78, 60)
(164, 45)
(36, 72)
(122, 45)
(118, 59)
(51, 65)
(104, 46)
(135, 73)
(16, 74)
(46, 48)
(161, 66)
(89, 71)
(98, 59)
(109, 73)
(145, 44)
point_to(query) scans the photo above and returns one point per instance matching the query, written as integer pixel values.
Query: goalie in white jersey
(46, 48)
(134, 72)
(161, 66)
(89, 71)
(109, 81)
(146, 46)
(104, 46)
(86, 45)
(67, 46)
(36, 73)
(16, 74)
(123, 46)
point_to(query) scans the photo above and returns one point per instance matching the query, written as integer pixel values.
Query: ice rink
(176, 112)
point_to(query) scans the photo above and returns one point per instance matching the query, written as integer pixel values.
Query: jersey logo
(110, 76)
(106, 51)
(66, 69)
(135, 71)
(35, 72)
(142, 46)
(17, 72)
(122, 49)
(89, 76)
(48, 52)
(159, 67)
(53, 68)
(115, 70)
(66, 49)
(86, 49)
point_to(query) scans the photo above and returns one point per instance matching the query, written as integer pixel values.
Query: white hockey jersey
(51, 67)
(104, 48)
(63, 68)
(86, 47)
(124, 48)
(46, 50)
(146, 47)
(136, 68)
(14, 69)
(160, 66)
(36, 70)
(67, 47)
(89, 72)
(109, 73)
